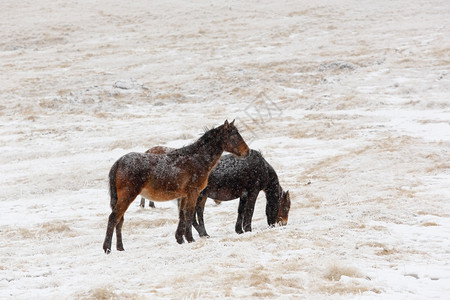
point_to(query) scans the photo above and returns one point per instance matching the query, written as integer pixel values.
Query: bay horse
(244, 178)
(182, 173)
(241, 178)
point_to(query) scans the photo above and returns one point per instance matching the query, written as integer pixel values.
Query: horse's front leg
(181, 223)
(186, 216)
(189, 213)
(240, 218)
(248, 212)
(188, 226)
(199, 208)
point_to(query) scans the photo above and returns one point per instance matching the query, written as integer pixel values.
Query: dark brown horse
(244, 178)
(241, 178)
(182, 173)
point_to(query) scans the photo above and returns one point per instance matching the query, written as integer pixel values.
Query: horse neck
(273, 185)
(273, 199)
(206, 152)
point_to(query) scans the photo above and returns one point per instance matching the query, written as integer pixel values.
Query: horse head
(285, 206)
(233, 141)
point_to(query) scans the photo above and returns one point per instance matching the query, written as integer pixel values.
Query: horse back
(232, 176)
(153, 175)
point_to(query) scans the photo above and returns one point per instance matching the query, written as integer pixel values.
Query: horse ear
(226, 124)
(232, 123)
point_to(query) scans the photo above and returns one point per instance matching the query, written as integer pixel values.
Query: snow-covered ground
(348, 100)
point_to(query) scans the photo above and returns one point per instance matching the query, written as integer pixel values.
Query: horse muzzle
(282, 222)
(244, 151)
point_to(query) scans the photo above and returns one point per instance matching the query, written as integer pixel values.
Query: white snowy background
(348, 100)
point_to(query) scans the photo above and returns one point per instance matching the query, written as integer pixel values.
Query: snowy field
(348, 100)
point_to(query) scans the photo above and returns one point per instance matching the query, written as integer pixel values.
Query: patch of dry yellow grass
(108, 294)
(335, 271)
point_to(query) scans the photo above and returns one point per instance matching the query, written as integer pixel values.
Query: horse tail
(112, 184)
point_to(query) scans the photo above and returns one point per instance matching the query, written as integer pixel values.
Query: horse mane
(206, 129)
(203, 139)
(259, 151)
(273, 176)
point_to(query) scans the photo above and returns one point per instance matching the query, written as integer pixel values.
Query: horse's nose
(282, 222)
(244, 150)
(247, 152)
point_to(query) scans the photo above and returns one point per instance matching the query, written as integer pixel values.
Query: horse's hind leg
(150, 203)
(119, 243)
(112, 220)
(121, 208)
(116, 220)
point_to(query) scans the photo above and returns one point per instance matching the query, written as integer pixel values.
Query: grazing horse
(182, 173)
(245, 178)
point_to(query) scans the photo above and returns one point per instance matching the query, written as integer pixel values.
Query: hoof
(120, 249)
(107, 251)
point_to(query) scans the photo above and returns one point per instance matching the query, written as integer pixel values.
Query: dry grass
(102, 294)
(386, 251)
(150, 223)
(427, 224)
(383, 249)
(343, 289)
(438, 167)
(265, 294)
(372, 244)
(335, 271)
(355, 225)
(298, 133)
(120, 145)
(108, 294)
(259, 277)
(311, 201)
(281, 282)
(56, 227)
(354, 285)
(45, 230)
(433, 213)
